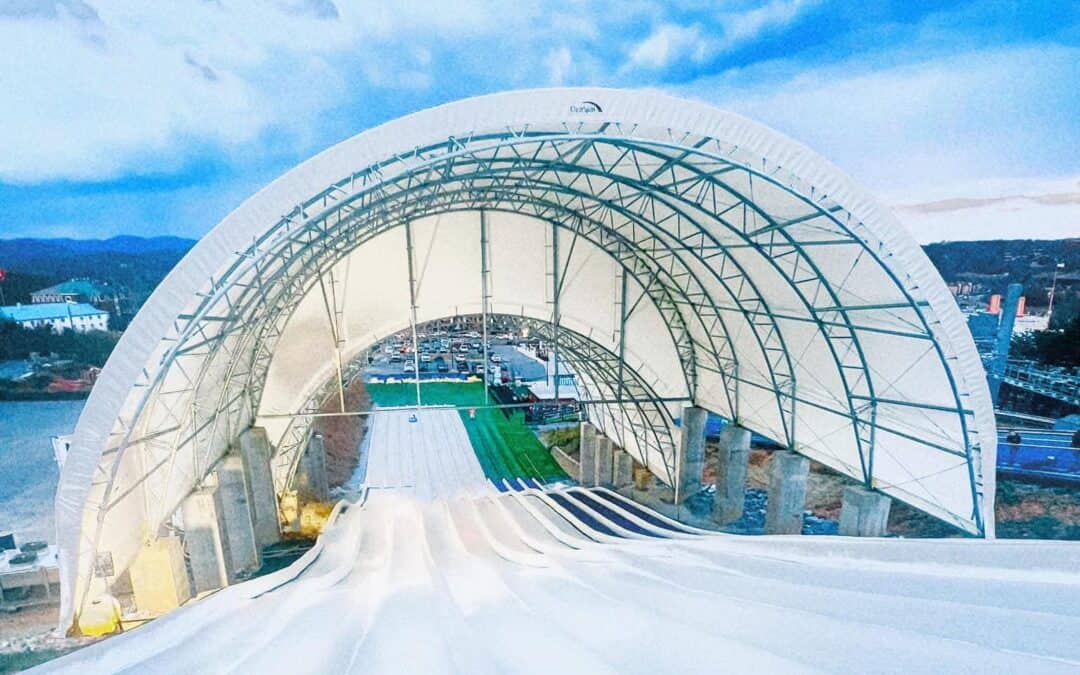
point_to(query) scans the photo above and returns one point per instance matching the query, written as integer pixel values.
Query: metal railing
(1053, 382)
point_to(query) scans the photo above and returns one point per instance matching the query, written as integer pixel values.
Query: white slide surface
(437, 572)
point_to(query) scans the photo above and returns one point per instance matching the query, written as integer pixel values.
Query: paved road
(525, 367)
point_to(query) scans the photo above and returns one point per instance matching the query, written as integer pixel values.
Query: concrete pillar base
(624, 469)
(204, 540)
(864, 513)
(159, 579)
(587, 455)
(604, 462)
(255, 452)
(787, 493)
(690, 457)
(311, 482)
(234, 501)
(733, 458)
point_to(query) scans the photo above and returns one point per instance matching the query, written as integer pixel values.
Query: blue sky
(159, 118)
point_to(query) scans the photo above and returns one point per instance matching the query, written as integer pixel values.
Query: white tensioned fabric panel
(305, 352)
(519, 261)
(376, 293)
(371, 283)
(446, 258)
(746, 235)
(588, 280)
(649, 347)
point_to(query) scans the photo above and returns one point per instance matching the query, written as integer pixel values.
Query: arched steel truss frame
(601, 376)
(665, 203)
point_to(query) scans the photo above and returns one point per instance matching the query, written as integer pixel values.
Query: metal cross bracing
(674, 197)
(606, 376)
(289, 447)
(836, 331)
(650, 286)
(624, 254)
(602, 376)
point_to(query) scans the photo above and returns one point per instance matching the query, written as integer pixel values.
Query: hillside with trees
(136, 264)
(996, 264)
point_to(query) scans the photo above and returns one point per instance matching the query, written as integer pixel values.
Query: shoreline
(21, 396)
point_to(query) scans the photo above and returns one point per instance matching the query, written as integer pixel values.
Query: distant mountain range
(25, 255)
(995, 264)
(136, 263)
(139, 263)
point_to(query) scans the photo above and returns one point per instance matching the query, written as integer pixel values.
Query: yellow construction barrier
(100, 617)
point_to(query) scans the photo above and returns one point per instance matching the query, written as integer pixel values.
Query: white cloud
(95, 89)
(90, 100)
(973, 116)
(560, 64)
(740, 27)
(100, 89)
(1028, 208)
(961, 126)
(668, 43)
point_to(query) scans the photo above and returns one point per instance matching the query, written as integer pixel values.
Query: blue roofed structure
(59, 316)
(75, 290)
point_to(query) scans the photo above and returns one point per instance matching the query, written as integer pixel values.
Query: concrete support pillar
(604, 462)
(204, 540)
(690, 458)
(159, 579)
(255, 453)
(733, 456)
(235, 504)
(864, 513)
(787, 493)
(311, 480)
(587, 454)
(624, 469)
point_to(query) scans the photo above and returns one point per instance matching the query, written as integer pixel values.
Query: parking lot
(452, 357)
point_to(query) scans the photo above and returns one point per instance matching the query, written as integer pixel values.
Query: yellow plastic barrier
(100, 617)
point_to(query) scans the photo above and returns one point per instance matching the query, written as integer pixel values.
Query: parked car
(408, 367)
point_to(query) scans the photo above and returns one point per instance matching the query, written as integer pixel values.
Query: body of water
(28, 472)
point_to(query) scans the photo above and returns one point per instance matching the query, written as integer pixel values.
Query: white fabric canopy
(760, 283)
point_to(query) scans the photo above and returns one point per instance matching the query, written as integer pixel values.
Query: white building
(1030, 322)
(59, 316)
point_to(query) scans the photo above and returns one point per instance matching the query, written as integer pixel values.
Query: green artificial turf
(505, 447)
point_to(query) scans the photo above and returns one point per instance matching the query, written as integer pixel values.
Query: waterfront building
(60, 316)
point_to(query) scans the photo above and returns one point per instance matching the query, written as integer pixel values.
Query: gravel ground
(28, 638)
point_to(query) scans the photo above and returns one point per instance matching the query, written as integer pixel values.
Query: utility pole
(484, 300)
(412, 303)
(1053, 289)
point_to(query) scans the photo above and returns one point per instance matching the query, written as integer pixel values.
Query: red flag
(3, 273)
